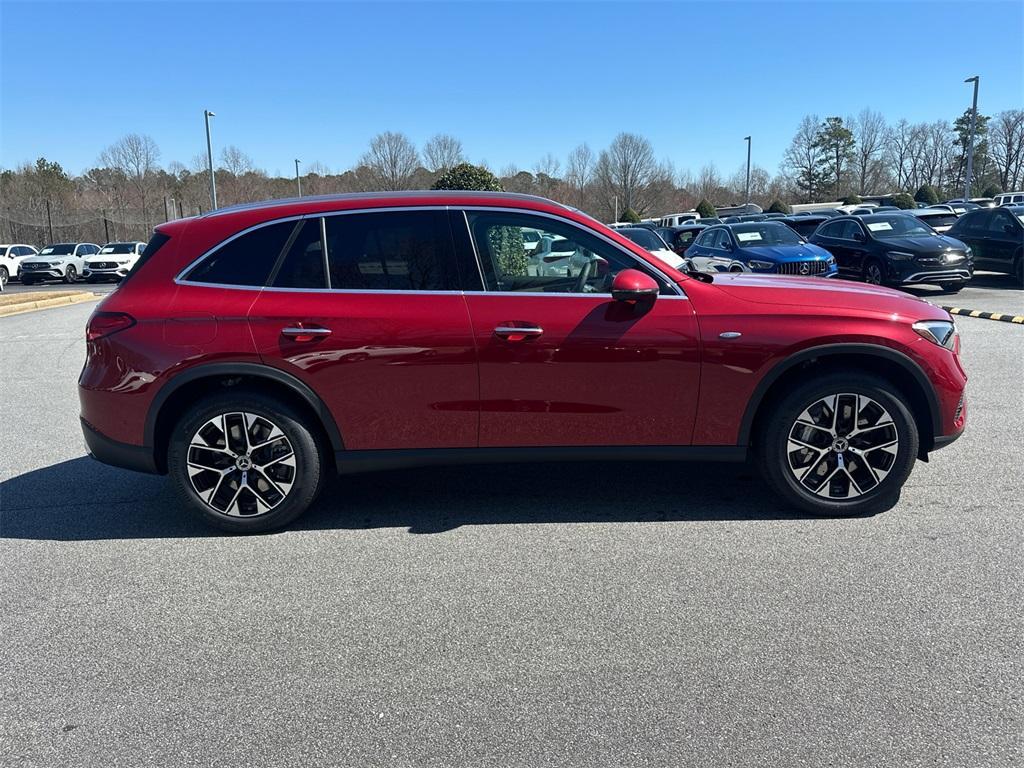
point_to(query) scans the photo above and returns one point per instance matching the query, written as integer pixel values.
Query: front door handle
(297, 333)
(520, 333)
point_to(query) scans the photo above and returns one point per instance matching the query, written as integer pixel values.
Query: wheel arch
(888, 363)
(189, 385)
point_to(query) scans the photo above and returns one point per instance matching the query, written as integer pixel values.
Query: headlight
(899, 255)
(942, 332)
(755, 264)
(830, 260)
(56, 264)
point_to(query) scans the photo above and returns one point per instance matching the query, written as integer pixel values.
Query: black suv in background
(895, 249)
(805, 225)
(996, 235)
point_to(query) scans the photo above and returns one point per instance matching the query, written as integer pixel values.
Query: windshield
(644, 238)
(897, 225)
(118, 248)
(768, 233)
(61, 249)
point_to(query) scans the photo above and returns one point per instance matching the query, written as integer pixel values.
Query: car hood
(46, 259)
(826, 293)
(927, 244)
(785, 253)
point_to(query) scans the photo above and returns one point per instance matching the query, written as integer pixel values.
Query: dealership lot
(527, 615)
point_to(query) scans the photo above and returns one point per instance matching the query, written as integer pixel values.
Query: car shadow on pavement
(81, 499)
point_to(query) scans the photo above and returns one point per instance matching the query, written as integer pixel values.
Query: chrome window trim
(180, 277)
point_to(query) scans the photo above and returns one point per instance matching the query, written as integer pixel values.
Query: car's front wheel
(245, 462)
(70, 274)
(840, 445)
(874, 272)
(4, 277)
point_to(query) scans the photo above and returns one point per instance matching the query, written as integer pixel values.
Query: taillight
(105, 323)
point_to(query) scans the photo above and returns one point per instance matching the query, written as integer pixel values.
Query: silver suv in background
(60, 261)
(11, 256)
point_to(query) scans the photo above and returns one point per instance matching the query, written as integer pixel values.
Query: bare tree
(546, 172)
(135, 156)
(1007, 140)
(869, 128)
(624, 170)
(579, 171)
(442, 153)
(803, 158)
(899, 144)
(709, 185)
(392, 161)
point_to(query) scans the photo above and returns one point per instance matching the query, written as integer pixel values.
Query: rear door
(1001, 240)
(367, 308)
(561, 363)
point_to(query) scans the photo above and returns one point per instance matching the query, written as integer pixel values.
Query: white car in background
(60, 261)
(113, 262)
(11, 256)
(938, 219)
(649, 240)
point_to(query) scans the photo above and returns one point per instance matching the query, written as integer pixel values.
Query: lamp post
(209, 156)
(298, 179)
(970, 141)
(747, 200)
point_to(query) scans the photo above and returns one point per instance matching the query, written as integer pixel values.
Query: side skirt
(354, 462)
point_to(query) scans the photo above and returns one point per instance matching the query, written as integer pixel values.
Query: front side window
(246, 260)
(997, 223)
(567, 259)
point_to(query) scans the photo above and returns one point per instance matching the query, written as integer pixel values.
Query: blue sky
(512, 80)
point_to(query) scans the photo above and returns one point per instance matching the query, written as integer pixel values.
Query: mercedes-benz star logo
(805, 269)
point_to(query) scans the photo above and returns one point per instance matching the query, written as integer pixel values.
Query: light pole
(747, 201)
(298, 179)
(209, 156)
(970, 141)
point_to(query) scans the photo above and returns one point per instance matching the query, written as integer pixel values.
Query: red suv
(252, 348)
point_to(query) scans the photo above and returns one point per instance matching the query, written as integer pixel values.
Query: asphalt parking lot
(532, 615)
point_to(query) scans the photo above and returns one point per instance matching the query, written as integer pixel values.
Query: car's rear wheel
(840, 445)
(70, 274)
(874, 272)
(245, 462)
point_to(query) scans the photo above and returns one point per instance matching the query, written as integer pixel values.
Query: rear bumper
(137, 458)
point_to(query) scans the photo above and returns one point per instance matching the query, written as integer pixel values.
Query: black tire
(70, 274)
(773, 443)
(874, 272)
(951, 288)
(27, 281)
(91, 280)
(1019, 268)
(4, 277)
(308, 475)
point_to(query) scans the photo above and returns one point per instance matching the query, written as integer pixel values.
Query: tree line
(128, 191)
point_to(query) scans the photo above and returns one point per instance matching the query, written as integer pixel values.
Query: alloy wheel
(873, 274)
(241, 464)
(71, 274)
(3, 278)
(842, 446)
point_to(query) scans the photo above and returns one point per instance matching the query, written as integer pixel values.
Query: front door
(367, 309)
(561, 363)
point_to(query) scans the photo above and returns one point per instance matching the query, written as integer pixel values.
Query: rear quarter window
(245, 260)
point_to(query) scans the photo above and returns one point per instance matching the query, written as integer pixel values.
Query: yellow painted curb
(32, 306)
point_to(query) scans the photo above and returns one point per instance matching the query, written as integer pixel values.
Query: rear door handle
(521, 333)
(305, 334)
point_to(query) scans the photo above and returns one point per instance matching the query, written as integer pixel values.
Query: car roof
(435, 197)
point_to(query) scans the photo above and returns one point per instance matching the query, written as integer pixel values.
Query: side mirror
(633, 285)
(858, 236)
(687, 265)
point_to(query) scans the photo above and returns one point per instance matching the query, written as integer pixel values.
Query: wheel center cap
(244, 463)
(840, 444)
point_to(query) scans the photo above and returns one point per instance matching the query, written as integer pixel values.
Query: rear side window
(246, 260)
(391, 251)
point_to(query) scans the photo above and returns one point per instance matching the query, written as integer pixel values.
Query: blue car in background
(766, 247)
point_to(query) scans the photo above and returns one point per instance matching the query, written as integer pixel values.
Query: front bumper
(112, 274)
(137, 458)
(41, 274)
